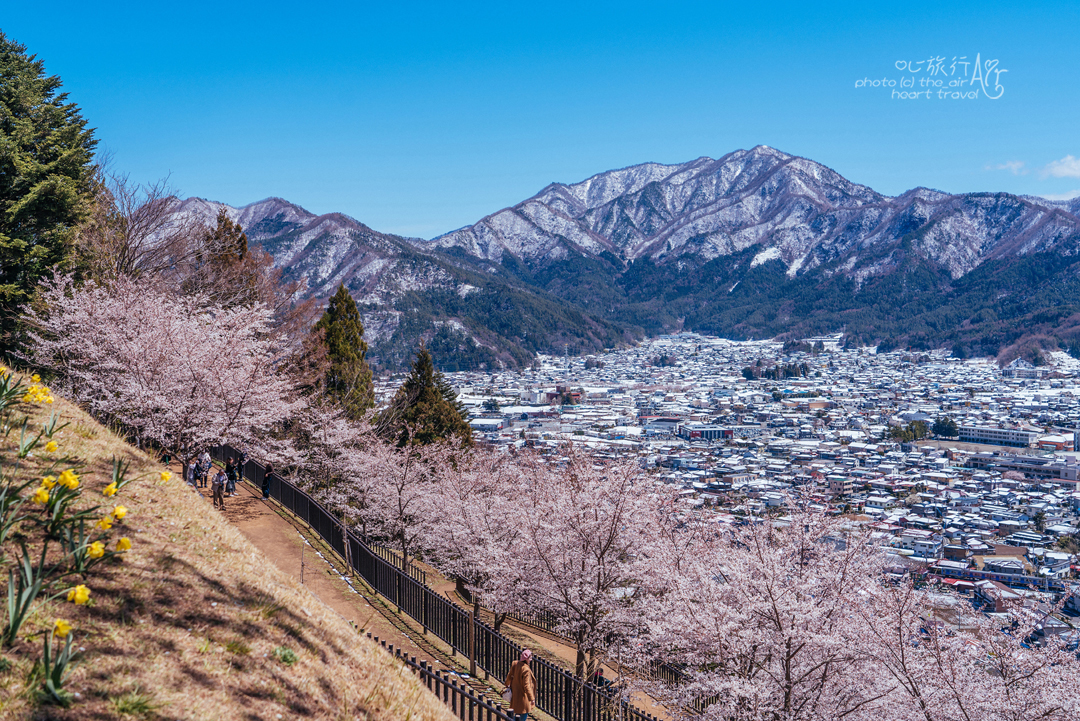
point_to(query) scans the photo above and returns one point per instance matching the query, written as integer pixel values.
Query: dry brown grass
(186, 626)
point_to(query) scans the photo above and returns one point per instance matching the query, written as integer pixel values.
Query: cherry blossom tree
(584, 525)
(762, 617)
(175, 370)
(403, 484)
(950, 661)
(471, 537)
(331, 458)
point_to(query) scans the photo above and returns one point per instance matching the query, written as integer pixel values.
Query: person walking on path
(230, 473)
(522, 685)
(240, 463)
(218, 488)
(204, 467)
(266, 481)
(191, 473)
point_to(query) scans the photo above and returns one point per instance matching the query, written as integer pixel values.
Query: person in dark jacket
(230, 474)
(266, 481)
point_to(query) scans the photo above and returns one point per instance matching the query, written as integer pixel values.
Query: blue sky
(421, 118)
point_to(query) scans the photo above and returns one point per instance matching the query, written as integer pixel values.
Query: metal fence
(462, 700)
(559, 693)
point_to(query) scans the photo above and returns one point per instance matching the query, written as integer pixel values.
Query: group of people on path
(197, 473)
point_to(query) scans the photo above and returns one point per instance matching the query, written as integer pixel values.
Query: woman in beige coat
(522, 685)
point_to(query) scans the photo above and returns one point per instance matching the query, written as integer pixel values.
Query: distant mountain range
(757, 243)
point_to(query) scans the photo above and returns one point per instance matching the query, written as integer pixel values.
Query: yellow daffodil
(48, 482)
(35, 378)
(95, 549)
(124, 544)
(165, 475)
(51, 447)
(119, 512)
(105, 523)
(41, 496)
(109, 490)
(68, 478)
(4, 371)
(61, 628)
(79, 595)
(37, 394)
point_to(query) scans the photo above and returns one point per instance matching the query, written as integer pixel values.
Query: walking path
(296, 550)
(299, 552)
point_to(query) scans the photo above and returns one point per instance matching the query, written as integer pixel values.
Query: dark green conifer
(226, 242)
(348, 380)
(45, 172)
(425, 409)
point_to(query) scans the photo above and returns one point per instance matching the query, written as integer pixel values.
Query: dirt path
(296, 550)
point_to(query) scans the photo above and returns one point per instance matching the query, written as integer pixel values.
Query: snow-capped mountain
(409, 290)
(791, 209)
(327, 250)
(756, 243)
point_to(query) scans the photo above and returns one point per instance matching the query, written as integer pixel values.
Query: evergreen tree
(945, 426)
(45, 173)
(348, 379)
(225, 243)
(425, 409)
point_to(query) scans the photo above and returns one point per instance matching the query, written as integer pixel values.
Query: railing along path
(559, 693)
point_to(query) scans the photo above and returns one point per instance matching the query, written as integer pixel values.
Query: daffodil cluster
(59, 517)
(38, 393)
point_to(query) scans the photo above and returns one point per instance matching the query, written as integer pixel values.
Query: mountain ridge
(756, 242)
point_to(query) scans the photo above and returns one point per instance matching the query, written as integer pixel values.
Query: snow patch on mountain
(765, 256)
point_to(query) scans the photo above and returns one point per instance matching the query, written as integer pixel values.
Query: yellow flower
(62, 628)
(119, 512)
(95, 549)
(41, 496)
(165, 475)
(105, 523)
(51, 447)
(48, 482)
(4, 371)
(80, 594)
(68, 478)
(37, 394)
(109, 490)
(35, 378)
(124, 544)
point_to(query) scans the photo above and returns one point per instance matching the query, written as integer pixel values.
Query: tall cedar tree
(45, 173)
(348, 379)
(425, 409)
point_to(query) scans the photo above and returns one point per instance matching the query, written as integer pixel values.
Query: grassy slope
(189, 619)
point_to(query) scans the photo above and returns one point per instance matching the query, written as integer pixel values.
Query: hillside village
(992, 510)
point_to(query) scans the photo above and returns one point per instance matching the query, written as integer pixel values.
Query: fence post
(345, 541)
(472, 644)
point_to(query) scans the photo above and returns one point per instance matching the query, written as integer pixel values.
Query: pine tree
(226, 243)
(348, 380)
(45, 172)
(425, 409)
